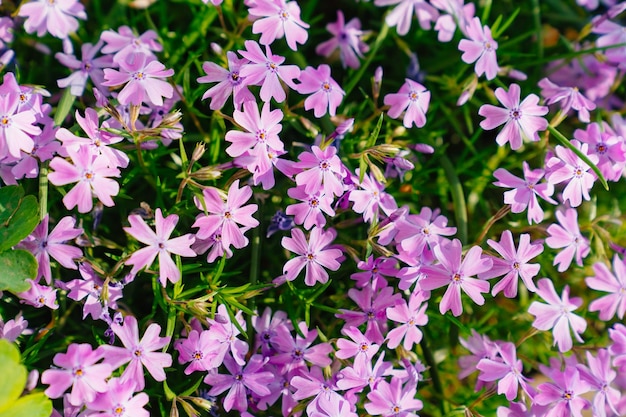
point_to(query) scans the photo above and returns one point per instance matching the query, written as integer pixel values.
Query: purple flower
(77, 368)
(98, 296)
(514, 265)
(570, 98)
(480, 48)
(566, 166)
(360, 347)
(333, 406)
(55, 17)
(374, 272)
(507, 371)
(346, 37)
(310, 212)
(402, 15)
(419, 232)
(223, 333)
(124, 42)
(277, 18)
(17, 125)
(615, 284)
(313, 255)
(607, 146)
(266, 70)
(39, 295)
(564, 394)
(142, 76)
(567, 235)
(557, 314)
(457, 275)
(86, 68)
(138, 353)
(291, 353)
(323, 170)
(525, 191)
(392, 400)
(370, 198)
(412, 99)
(456, 11)
(521, 120)
(118, 400)
(326, 94)
(229, 82)
(159, 243)
(198, 349)
(599, 374)
(410, 316)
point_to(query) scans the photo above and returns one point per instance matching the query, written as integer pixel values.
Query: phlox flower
(292, 353)
(393, 400)
(403, 13)
(197, 350)
(566, 166)
(570, 98)
(514, 265)
(521, 120)
(138, 352)
(57, 17)
(614, 284)
(12, 329)
(361, 348)
(563, 396)
(363, 374)
(346, 38)
(142, 76)
(266, 329)
(229, 82)
(567, 235)
(507, 371)
(374, 271)
(77, 368)
(98, 296)
(369, 198)
(159, 243)
(223, 334)
(326, 94)
(118, 400)
(17, 126)
(481, 347)
(214, 245)
(310, 211)
(480, 48)
(613, 38)
(456, 11)
(45, 147)
(524, 194)
(266, 70)
(607, 145)
(313, 255)
(417, 232)
(557, 314)
(333, 406)
(39, 295)
(313, 384)
(226, 215)
(88, 67)
(412, 99)
(599, 374)
(457, 275)
(125, 42)
(322, 171)
(275, 19)
(408, 316)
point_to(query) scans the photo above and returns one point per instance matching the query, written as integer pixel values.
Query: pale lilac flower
(480, 48)
(313, 255)
(77, 368)
(347, 37)
(514, 265)
(312, 383)
(361, 348)
(408, 316)
(229, 82)
(291, 353)
(223, 333)
(419, 232)
(226, 215)
(39, 295)
(310, 211)
(214, 245)
(267, 71)
(374, 272)
(403, 13)
(613, 37)
(393, 400)
(85, 68)
(524, 194)
(12, 329)
(124, 42)
(614, 284)
(564, 395)
(138, 352)
(412, 99)
(326, 94)
(45, 245)
(370, 198)
(457, 275)
(275, 19)
(507, 371)
(456, 11)
(599, 374)
(252, 377)
(55, 17)
(45, 147)
(521, 120)
(557, 314)
(266, 329)
(143, 79)
(159, 243)
(323, 170)
(609, 148)
(567, 235)
(98, 296)
(570, 98)
(566, 166)
(17, 126)
(198, 349)
(481, 347)
(118, 400)
(333, 406)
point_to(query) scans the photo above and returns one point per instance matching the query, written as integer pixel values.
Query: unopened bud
(198, 151)
(377, 81)
(205, 404)
(171, 119)
(207, 174)
(133, 115)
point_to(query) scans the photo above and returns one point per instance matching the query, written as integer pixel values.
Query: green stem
(43, 190)
(434, 373)
(254, 270)
(458, 198)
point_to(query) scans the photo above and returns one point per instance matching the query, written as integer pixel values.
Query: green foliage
(15, 267)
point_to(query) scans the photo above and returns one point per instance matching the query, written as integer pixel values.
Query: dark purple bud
(280, 222)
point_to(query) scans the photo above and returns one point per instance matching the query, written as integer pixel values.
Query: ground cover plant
(348, 208)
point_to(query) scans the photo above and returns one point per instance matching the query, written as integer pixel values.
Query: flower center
(139, 76)
(78, 372)
(488, 46)
(138, 353)
(326, 87)
(197, 355)
(601, 148)
(271, 66)
(310, 256)
(283, 14)
(456, 278)
(88, 175)
(5, 121)
(567, 395)
(118, 410)
(324, 165)
(228, 215)
(364, 347)
(516, 114)
(261, 135)
(314, 202)
(516, 265)
(413, 95)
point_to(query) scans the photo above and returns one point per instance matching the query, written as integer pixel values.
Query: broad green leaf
(64, 107)
(19, 215)
(13, 375)
(16, 266)
(32, 405)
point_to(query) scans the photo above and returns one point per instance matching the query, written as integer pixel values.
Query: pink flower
(566, 166)
(392, 400)
(607, 145)
(311, 210)
(278, 18)
(323, 171)
(159, 243)
(412, 99)
(17, 126)
(456, 11)
(514, 265)
(124, 42)
(525, 191)
(599, 374)
(567, 235)
(227, 215)
(326, 94)
(521, 120)
(346, 37)
(507, 371)
(91, 173)
(571, 98)
(457, 275)
(312, 255)
(118, 400)
(86, 68)
(564, 395)
(293, 353)
(266, 70)
(55, 17)
(480, 48)
(374, 271)
(409, 316)
(360, 347)
(371, 198)
(198, 349)
(138, 352)
(77, 369)
(402, 15)
(614, 284)
(143, 78)
(229, 82)
(39, 295)
(557, 314)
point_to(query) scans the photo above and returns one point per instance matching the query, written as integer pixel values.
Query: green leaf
(371, 141)
(64, 107)
(13, 375)
(19, 216)
(32, 405)
(16, 267)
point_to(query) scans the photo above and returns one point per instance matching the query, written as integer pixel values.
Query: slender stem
(458, 198)
(434, 373)
(43, 190)
(254, 269)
